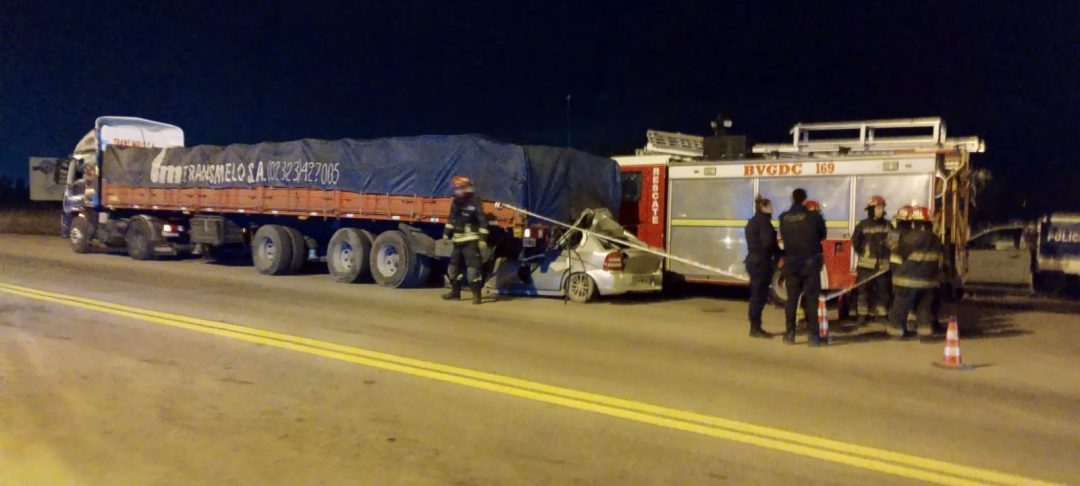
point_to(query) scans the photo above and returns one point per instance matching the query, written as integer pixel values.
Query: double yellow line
(869, 458)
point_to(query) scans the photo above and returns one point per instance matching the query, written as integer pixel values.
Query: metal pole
(568, 120)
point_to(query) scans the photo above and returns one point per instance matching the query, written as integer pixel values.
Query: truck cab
(84, 219)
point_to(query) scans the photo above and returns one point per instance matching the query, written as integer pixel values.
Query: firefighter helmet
(461, 183)
(812, 205)
(920, 214)
(904, 213)
(875, 201)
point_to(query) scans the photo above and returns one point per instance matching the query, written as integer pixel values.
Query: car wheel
(80, 233)
(271, 250)
(778, 290)
(348, 255)
(580, 288)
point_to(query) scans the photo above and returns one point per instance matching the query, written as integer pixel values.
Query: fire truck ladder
(903, 134)
(673, 143)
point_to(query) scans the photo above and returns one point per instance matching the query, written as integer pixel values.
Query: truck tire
(80, 234)
(271, 250)
(777, 290)
(139, 238)
(393, 263)
(580, 288)
(299, 249)
(348, 256)
(422, 275)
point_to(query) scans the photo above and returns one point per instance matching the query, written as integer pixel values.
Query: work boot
(455, 291)
(758, 332)
(476, 296)
(861, 321)
(815, 342)
(789, 338)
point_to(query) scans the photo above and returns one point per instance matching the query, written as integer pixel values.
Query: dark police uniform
(871, 243)
(802, 232)
(762, 253)
(916, 279)
(468, 227)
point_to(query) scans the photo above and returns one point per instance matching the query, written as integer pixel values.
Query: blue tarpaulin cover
(552, 181)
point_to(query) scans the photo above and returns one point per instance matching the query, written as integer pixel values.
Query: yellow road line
(869, 458)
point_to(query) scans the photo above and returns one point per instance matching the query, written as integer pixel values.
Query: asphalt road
(650, 391)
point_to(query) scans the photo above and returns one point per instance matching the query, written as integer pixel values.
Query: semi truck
(373, 210)
(692, 195)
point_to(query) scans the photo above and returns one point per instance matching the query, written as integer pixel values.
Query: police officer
(802, 232)
(870, 242)
(916, 279)
(469, 230)
(761, 257)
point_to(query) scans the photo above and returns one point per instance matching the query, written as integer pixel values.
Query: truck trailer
(371, 209)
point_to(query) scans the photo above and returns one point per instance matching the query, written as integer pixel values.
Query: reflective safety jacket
(921, 255)
(466, 221)
(870, 242)
(896, 231)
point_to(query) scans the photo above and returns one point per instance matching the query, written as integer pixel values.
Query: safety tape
(679, 259)
(646, 249)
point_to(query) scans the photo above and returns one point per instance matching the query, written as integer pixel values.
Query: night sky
(246, 72)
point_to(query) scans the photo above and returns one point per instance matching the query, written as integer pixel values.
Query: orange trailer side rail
(296, 202)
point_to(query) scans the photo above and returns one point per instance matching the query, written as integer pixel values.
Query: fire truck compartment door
(708, 217)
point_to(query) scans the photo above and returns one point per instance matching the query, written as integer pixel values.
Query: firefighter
(802, 232)
(762, 255)
(916, 279)
(870, 242)
(901, 225)
(467, 226)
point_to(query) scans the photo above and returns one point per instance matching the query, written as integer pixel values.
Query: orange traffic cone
(952, 359)
(823, 319)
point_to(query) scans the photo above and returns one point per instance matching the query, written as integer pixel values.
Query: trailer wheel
(422, 275)
(299, 249)
(139, 239)
(271, 249)
(778, 290)
(580, 288)
(80, 233)
(393, 262)
(348, 255)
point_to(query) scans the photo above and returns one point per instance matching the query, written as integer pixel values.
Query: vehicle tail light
(168, 228)
(614, 261)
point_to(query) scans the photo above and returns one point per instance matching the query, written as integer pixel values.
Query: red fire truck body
(676, 199)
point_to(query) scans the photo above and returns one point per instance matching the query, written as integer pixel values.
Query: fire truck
(692, 195)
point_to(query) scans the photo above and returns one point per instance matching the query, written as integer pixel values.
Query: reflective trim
(875, 230)
(450, 225)
(466, 237)
(924, 256)
(913, 283)
(868, 263)
(483, 231)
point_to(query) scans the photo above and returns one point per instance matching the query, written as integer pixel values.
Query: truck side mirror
(60, 172)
